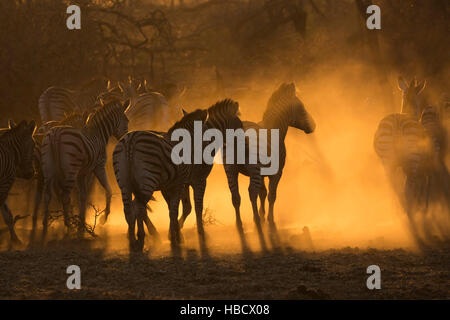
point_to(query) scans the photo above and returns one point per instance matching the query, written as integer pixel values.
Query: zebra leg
(9, 220)
(232, 177)
(173, 197)
(411, 208)
(130, 217)
(262, 198)
(100, 173)
(273, 185)
(140, 212)
(199, 193)
(82, 183)
(37, 203)
(253, 188)
(187, 207)
(151, 229)
(47, 199)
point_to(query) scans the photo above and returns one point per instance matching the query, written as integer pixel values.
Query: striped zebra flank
(16, 161)
(70, 156)
(142, 165)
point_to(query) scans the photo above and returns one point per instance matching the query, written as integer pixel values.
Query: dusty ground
(40, 273)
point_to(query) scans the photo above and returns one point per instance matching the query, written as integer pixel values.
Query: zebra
(74, 120)
(16, 161)
(222, 115)
(284, 109)
(411, 101)
(401, 142)
(142, 165)
(148, 110)
(71, 155)
(55, 102)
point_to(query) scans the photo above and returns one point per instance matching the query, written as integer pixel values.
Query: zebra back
(55, 102)
(149, 111)
(401, 141)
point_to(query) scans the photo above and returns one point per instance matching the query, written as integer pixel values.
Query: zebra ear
(125, 105)
(419, 88)
(11, 124)
(402, 85)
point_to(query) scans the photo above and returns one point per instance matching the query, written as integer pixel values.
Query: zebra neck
(100, 132)
(11, 145)
(282, 126)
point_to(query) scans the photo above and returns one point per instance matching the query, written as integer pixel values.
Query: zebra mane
(22, 127)
(223, 109)
(74, 117)
(188, 119)
(281, 100)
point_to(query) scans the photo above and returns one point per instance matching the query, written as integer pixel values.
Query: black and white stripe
(16, 161)
(142, 165)
(71, 155)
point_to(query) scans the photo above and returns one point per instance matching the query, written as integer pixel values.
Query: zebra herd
(414, 143)
(70, 148)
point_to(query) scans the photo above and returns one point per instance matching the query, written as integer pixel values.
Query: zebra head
(130, 88)
(224, 115)
(285, 109)
(21, 138)
(108, 120)
(410, 96)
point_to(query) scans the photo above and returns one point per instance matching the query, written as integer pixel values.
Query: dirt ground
(288, 273)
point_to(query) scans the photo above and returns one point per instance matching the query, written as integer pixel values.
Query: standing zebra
(71, 155)
(221, 116)
(16, 161)
(142, 165)
(55, 102)
(147, 111)
(74, 120)
(284, 109)
(401, 142)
